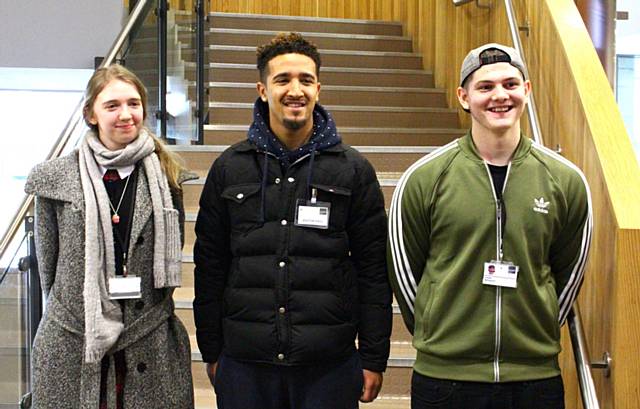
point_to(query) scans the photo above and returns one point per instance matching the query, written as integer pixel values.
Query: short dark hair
(286, 43)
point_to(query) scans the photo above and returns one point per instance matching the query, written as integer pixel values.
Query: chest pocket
(243, 202)
(340, 199)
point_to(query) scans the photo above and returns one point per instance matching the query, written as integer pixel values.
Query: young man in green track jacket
(488, 241)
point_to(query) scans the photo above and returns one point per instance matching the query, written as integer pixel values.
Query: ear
(527, 88)
(262, 91)
(318, 93)
(463, 97)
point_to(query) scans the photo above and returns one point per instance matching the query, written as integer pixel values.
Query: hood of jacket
(325, 134)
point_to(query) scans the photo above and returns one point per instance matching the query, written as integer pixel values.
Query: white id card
(313, 214)
(124, 288)
(500, 274)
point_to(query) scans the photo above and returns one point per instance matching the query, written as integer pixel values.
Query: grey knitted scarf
(103, 317)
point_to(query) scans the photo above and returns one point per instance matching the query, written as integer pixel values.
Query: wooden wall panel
(577, 112)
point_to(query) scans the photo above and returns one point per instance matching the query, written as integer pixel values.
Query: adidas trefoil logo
(540, 206)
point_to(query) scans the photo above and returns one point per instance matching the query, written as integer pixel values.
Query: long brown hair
(170, 162)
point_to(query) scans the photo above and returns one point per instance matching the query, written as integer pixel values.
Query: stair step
(295, 23)
(223, 72)
(349, 116)
(397, 380)
(183, 298)
(230, 134)
(243, 92)
(331, 41)
(237, 54)
(198, 158)
(247, 73)
(193, 189)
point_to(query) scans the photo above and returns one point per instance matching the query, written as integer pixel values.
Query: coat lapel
(143, 208)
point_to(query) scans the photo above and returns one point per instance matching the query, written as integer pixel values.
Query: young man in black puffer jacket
(290, 253)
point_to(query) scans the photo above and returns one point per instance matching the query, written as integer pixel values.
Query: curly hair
(286, 43)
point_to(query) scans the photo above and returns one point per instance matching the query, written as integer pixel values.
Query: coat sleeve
(570, 249)
(211, 256)
(367, 237)
(408, 244)
(47, 241)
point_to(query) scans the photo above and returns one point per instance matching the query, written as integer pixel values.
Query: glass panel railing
(181, 117)
(17, 325)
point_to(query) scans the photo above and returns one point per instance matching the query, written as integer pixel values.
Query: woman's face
(118, 114)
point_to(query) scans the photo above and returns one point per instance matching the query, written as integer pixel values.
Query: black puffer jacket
(271, 292)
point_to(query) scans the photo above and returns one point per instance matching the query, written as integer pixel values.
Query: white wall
(57, 33)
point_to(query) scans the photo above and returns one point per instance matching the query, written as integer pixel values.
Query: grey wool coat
(155, 343)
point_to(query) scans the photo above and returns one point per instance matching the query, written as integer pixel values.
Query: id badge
(500, 274)
(311, 213)
(124, 288)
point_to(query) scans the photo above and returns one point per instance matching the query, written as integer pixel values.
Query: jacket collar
(247, 146)
(470, 150)
(57, 179)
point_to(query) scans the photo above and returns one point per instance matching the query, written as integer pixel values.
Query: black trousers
(241, 385)
(431, 393)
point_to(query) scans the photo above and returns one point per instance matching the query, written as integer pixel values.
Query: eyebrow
(502, 80)
(111, 101)
(305, 75)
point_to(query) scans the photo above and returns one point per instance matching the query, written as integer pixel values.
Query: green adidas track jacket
(443, 227)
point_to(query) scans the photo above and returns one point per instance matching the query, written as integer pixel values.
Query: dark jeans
(241, 385)
(431, 393)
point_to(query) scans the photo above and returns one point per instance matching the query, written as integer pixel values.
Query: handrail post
(532, 111)
(33, 281)
(201, 96)
(162, 66)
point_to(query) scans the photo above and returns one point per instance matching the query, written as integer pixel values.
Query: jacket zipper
(499, 254)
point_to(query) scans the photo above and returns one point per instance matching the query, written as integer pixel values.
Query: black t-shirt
(498, 175)
(122, 230)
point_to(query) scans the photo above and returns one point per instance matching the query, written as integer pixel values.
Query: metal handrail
(581, 355)
(578, 342)
(531, 106)
(75, 120)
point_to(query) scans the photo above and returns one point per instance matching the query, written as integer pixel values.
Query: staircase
(384, 105)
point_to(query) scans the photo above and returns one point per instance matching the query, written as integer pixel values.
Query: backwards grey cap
(490, 54)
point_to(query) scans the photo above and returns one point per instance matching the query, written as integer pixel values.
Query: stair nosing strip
(252, 67)
(323, 51)
(188, 305)
(337, 36)
(349, 129)
(393, 149)
(351, 88)
(304, 18)
(331, 108)
(394, 362)
(385, 182)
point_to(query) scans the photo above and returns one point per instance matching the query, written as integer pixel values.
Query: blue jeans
(431, 393)
(242, 385)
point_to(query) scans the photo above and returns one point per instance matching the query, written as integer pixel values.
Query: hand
(211, 371)
(371, 386)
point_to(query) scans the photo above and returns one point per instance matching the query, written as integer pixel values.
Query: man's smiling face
(291, 89)
(496, 95)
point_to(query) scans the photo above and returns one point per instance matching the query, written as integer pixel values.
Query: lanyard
(123, 243)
